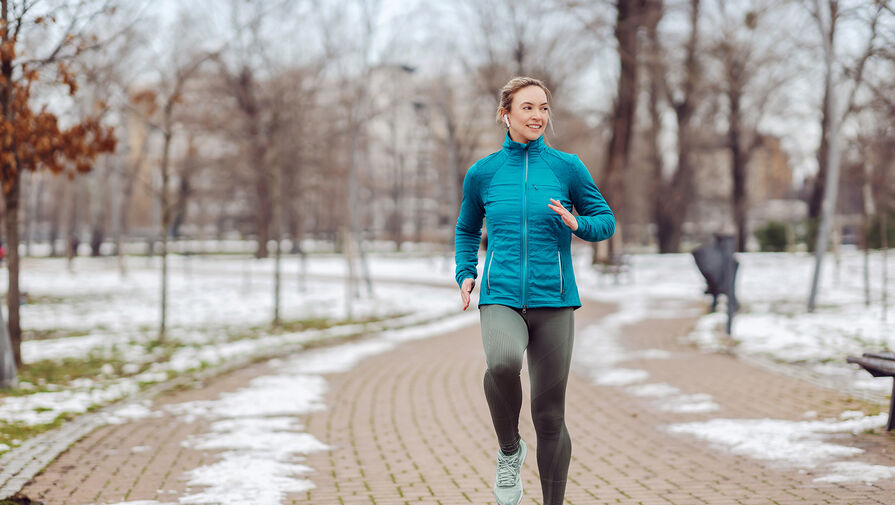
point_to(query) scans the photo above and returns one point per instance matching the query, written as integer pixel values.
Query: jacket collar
(533, 147)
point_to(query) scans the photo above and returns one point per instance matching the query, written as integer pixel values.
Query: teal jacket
(529, 261)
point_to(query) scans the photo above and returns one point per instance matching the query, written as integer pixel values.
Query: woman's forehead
(533, 94)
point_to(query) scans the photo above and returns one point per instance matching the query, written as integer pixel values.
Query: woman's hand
(466, 290)
(566, 216)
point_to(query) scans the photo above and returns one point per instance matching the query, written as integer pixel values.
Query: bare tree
(753, 66)
(672, 194)
(825, 15)
(629, 19)
(161, 105)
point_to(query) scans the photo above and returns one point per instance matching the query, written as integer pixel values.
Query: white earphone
(506, 120)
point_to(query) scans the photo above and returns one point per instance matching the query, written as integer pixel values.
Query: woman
(528, 293)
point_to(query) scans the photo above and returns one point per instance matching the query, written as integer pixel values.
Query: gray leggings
(547, 333)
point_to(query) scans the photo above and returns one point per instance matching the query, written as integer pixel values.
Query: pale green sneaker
(508, 483)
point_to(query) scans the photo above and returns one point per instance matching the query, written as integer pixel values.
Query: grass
(323, 323)
(108, 364)
(52, 333)
(61, 372)
(10, 433)
(297, 325)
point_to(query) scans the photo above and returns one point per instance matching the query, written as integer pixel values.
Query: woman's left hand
(566, 216)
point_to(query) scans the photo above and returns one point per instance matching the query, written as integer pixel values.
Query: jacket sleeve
(595, 219)
(468, 234)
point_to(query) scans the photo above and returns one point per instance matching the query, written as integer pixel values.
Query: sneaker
(508, 483)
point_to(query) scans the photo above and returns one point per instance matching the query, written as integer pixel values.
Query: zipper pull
(523, 310)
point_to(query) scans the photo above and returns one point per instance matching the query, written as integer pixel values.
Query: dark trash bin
(716, 262)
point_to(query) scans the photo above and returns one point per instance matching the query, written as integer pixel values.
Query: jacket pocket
(488, 275)
(559, 260)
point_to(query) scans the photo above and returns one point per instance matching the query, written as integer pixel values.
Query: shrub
(772, 236)
(873, 235)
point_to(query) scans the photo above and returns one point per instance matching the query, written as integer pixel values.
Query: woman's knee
(504, 369)
(549, 423)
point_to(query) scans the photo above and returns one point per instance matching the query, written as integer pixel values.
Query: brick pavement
(411, 426)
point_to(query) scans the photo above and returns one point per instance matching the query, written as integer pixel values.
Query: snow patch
(795, 443)
(848, 471)
(656, 390)
(130, 412)
(690, 404)
(621, 377)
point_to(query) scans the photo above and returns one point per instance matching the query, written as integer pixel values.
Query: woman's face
(528, 114)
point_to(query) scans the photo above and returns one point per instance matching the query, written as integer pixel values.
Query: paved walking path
(410, 426)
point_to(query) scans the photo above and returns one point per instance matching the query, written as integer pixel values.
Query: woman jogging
(527, 293)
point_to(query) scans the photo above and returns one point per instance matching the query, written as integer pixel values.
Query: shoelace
(506, 469)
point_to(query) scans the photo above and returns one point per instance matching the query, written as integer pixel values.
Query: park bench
(880, 364)
(617, 266)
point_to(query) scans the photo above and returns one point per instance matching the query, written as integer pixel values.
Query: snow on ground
(263, 445)
(772, 324)
(211, 297)
(799, 444)
(219, 311)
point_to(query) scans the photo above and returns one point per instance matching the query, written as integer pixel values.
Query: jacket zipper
(489, 271)
(524, 231)
(559, 258)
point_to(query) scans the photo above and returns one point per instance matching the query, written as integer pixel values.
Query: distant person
(73, 243)
(527, 191)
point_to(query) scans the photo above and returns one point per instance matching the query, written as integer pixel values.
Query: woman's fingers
(466, 290)
(564, 213)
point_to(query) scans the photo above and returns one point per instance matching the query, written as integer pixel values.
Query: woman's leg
(504, 336)
(549, 356)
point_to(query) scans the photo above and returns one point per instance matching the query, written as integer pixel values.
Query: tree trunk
(8, 375)
(263, 208)
(166, 220)
(184, 189)
(29, 213)
(676, 196)
(98, 200)
(13, 297)
(815, 201)
(397, 217)
(884, 244)
(628, 21)
(59, 189)
(832, 158)
(866, 212)
(277, 225)
(72, 237)
(738, 162)
(652, 15)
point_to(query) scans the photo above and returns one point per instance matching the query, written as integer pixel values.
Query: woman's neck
(514, 139)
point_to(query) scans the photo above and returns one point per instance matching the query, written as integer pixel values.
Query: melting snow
(795, 443)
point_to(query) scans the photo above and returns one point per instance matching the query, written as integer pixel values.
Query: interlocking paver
(411, 427)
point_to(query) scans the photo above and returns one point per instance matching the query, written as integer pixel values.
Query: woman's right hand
(466, 291)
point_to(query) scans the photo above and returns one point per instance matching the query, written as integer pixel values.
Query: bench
(618, 265)
(880, 364)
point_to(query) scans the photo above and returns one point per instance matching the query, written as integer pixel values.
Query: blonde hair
(505, 99)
